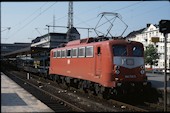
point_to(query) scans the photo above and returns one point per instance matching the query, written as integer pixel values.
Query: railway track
(84, 102)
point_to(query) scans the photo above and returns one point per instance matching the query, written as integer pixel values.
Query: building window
(156, 46)
(74, 52)
(89, 51)
(157, 33)
(81, 52)
(4, 47)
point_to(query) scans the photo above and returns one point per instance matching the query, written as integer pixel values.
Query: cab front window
(137, 51)
(119, 50)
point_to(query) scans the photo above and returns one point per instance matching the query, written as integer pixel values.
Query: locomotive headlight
(142, 71)
(117, 72)
(116, 79)
(142, 67)
(117, 67)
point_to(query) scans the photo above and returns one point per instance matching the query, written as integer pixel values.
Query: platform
(15, 99)
(157, 81)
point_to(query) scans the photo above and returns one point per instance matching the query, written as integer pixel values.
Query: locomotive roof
(98, 39)
(81, 41)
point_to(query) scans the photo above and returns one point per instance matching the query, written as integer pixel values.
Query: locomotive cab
(128, 64)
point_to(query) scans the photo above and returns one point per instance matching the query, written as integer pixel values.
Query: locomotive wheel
(68, 83)
(80, 85)
(83, 86)
(98, 91)
(54, 78)
(63, 82)
(106, 94)
(75, 83)
(114, 93)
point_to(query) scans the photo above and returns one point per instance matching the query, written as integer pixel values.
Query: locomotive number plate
(130, 76)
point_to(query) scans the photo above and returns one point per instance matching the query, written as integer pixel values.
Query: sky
(28, 20)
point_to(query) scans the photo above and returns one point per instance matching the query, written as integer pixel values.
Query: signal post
(164, 27)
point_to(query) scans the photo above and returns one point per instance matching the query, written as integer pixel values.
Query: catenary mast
(70, 15)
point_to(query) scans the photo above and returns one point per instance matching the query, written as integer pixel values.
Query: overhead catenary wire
(74, 14)
(93, 18)
(136, 3)
(113, 11)
(29, 15)
(146, 13)
(128, 6)
(85, 21)
(82, 13)
(32, 20)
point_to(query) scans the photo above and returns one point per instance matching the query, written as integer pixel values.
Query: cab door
(98, 61)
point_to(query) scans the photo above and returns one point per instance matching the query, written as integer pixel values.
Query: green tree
(151, 55)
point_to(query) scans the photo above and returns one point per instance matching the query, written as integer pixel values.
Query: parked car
(159, 71)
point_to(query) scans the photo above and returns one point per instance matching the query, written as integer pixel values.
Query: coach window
(68, 53)
(89, 51)
(63, 53)
(81, 52)
(74, 52)
(59, 54)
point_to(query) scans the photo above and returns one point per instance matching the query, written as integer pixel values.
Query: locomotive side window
(89, 51)
(63, 53)
(59, 54)
(54, 54)
(119, 50)
(98, 51)
(81, 52)
(68, 53)
(74, 52)
(137, 51)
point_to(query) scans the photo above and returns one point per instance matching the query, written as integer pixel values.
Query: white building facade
(146, 35)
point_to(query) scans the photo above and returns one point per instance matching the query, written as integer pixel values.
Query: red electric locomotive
(102, 66)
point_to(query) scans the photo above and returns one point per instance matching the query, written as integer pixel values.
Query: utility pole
(53, 23)
(48, 31)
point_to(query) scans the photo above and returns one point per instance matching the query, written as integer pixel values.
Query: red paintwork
(99, 69)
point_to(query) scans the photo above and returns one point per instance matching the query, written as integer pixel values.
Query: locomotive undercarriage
(130, 89)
